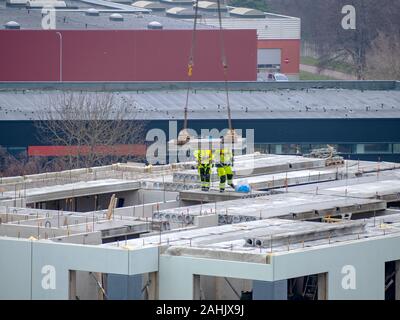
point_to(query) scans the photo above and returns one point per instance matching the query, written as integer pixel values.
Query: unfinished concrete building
(307, 230)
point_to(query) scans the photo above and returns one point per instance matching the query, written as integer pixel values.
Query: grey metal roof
(114, 5)
(279, 104)
(273, 26)
(277, 27)
(77, 20)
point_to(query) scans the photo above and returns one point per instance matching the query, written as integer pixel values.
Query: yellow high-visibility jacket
(225, 156)
(203, 156)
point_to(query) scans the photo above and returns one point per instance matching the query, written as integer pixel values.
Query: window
(276, 148)
(261, 147)
(345, 148)
(289, 148)
(377, 148)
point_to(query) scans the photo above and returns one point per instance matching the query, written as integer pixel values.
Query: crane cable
(191, 65)
(225, 66)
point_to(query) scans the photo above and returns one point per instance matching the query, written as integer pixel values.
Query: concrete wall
(21, 231)
(363, 259)
(19, 202)
(147, 209)
(93, 238)
(15, 270)
(27, 267)
(366, 258)
(24, 275)
(151, 196)
(178, 271)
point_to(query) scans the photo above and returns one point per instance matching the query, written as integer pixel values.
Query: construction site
(272, 203)
(129, 231)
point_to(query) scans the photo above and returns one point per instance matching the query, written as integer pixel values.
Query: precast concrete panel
(15, 269)
(49, 259)
(177, 272)
(355, 270)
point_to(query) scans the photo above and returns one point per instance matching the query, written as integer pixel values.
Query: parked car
(280, 77)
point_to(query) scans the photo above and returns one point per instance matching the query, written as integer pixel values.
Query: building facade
(278, 42)
(124, 55)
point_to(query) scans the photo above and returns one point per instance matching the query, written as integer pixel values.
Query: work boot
(207, 189)
(222, 190)
(203, 189)
(232, 185)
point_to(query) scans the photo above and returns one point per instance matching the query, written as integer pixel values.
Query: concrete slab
(388, 190)
(352, 179)
(267, 165)
(295, 178)
(296, 206)
(78, 189)
(228, 242)
(307, 233)
(213, 195)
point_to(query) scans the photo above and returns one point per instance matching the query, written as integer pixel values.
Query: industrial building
(277, 38)
(361, 119)
(90, 45)
(312, 212)
(308, 230)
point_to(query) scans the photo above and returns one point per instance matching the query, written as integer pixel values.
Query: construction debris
(329, 153)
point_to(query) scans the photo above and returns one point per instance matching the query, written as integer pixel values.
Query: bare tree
(95, 126)
(322, 30)
(20, 164)
(387, 68)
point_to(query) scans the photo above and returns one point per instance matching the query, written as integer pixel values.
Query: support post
(322, 283)
(72, 285)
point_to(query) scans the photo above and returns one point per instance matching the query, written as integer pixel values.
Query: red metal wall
(124, 55)
(60, 151)
(290, 50)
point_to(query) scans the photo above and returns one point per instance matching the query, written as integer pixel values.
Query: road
(326, 72)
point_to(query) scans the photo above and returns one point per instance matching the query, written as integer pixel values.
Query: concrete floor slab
(267, 165)
(284, 205)
(388, 190)
(213, 195)
(82, 188)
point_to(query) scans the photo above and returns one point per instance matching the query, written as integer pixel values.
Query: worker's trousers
(205, 175)
(225, 174)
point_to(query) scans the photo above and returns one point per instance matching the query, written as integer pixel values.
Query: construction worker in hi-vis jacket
(224, 166)
(204, 162)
